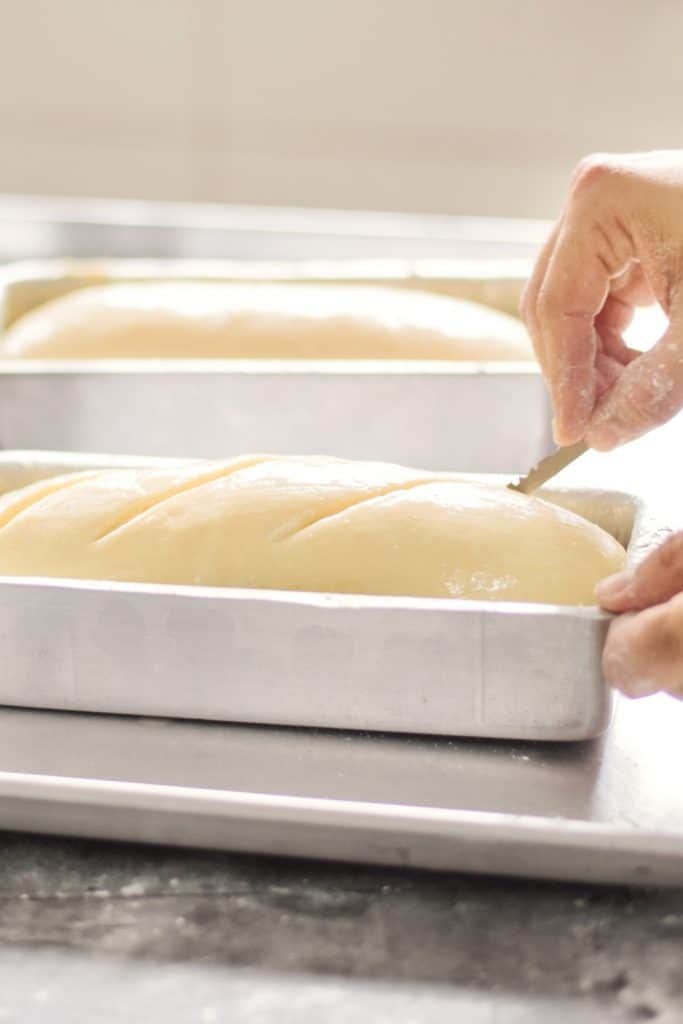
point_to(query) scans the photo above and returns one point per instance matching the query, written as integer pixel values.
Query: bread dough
(263, 321)
(305, 523)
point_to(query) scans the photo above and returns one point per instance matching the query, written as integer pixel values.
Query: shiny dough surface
(305, 523)
(263, 321)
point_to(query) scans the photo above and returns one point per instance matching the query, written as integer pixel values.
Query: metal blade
(548, 467)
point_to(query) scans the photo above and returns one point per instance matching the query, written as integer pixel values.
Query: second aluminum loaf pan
(390, 664)
(469, 416)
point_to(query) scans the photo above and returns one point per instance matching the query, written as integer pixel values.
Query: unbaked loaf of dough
(262, 321)
(305, 523)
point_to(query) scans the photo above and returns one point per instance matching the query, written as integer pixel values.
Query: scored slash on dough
(141, 508)
(364, 500)
(18, 502)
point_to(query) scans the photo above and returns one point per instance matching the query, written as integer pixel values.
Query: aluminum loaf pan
(478, 417)
(401, 664)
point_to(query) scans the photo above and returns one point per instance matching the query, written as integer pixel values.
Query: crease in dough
(362, 500)
(28, 497)
(153, 501)
(309, 524)
(229, 320)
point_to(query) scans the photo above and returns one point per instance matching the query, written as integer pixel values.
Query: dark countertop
(175, 935)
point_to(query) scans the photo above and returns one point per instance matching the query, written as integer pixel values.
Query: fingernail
(613, 587)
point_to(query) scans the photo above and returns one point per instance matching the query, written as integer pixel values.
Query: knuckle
(593, 171)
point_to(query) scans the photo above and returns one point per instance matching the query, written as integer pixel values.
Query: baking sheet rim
(402, 823)
(319, 805)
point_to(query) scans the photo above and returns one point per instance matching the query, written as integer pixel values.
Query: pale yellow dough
(262, 321)
(300, 523)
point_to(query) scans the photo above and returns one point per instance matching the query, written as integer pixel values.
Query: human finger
(644, 651)
(647, 393)
(572, 294)
(529, 300)
(658, 578)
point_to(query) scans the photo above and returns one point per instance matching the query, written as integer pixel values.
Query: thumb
(658, 578)
(647, 392)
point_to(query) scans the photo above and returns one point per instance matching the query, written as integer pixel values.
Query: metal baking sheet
(419, 665)
(610, 810)
(401, 411)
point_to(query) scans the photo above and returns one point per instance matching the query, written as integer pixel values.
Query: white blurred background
(424, 105)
